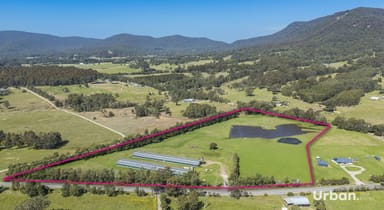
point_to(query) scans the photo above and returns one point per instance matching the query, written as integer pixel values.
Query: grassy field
(9, 199)
(354, 145)
(367, 200)
(114, 68)
(337, 65)
(106, 67)
(254, 203)
(171, 67)
(369, 110)
(122, 92)
(268, 202)
(235, 95)
(126, 122)
(375, 114)
(164, 67)
(256, 155)
(31, 113)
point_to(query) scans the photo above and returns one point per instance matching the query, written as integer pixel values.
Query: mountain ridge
(360, 28)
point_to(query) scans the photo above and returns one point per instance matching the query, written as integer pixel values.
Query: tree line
(377, 178)
(342, 181)
(199, 110)
(309, 114)
(50, 140)
(94, 102)
(235, 168)
(45, 75)
(262, 105)
(359, 125)
(46, 95)
(31, 189)
(78, 190)
(129, 176)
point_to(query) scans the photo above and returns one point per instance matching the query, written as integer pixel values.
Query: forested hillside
(344, 34)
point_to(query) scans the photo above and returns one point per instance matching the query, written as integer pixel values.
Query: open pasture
(257, 155)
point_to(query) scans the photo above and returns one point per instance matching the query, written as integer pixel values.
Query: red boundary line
(13, 177)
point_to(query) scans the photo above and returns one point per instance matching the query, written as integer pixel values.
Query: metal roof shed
(297, 201)
(148, 166)
(167, 158)
(322, 163)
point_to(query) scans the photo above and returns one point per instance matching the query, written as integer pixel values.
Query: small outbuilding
(322, 163)
(374, 98)
(4, 92)
(188, 100)
(297, 201)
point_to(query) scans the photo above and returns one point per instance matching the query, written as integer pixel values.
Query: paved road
(72, 113)
(254, 192)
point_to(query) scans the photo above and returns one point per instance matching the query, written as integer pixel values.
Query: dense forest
(45, 75)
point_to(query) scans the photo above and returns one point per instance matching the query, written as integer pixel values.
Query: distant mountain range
(343, 32)
(356, 29)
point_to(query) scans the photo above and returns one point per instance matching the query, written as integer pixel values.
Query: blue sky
(222, 20)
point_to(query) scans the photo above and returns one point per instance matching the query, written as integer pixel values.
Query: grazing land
(92, 92)
(355, 145)
(369, 110)
(255, 153)
(9, 199)
(259, 94)
(126, 122)
(29, 112)
(171, 67)
(106, 67)
(122, 91)
(367, 200)
(223, 203)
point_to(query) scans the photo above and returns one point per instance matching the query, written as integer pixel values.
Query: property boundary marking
(14, 177)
